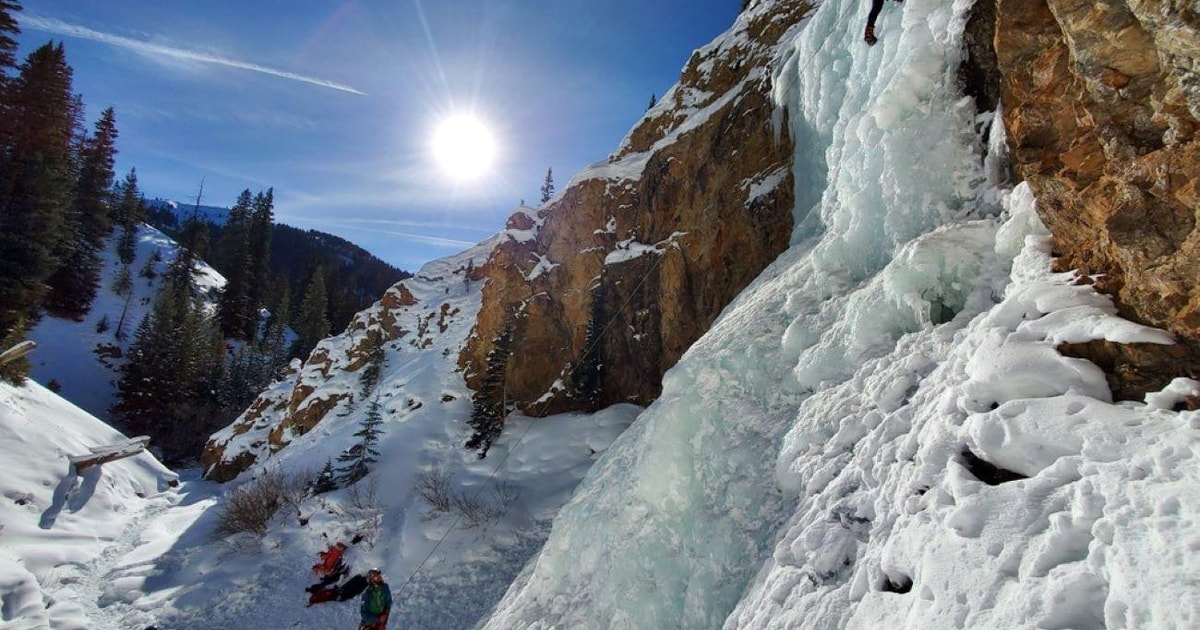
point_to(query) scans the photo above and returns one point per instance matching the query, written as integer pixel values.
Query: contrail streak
(51, 25)
(419, 238)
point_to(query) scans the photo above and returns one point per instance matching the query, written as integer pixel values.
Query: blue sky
(334, 103)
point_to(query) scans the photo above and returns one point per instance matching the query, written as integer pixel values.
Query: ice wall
(892, 236)
(973, 477)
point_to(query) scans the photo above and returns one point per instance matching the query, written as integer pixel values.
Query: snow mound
(57, 527)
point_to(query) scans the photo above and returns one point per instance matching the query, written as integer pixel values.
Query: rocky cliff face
(417, 326)
(645, 250)
(1102, 105)
(608, 284)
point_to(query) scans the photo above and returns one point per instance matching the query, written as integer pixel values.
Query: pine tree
(233, 260)
(93, 193)
(130, 210)
(313, 324)
(587, 373)
(325, 481)
(36, 180)
(165, 385)
(143, 384)
(129, 207)
(149, 268)
(8, 62)
(259, 249)
(490, 401)
(358, 458)
(275, 333)
(548, 186)
(123, 283)
(8, 29)
(244, 374)
(193, 247)
(73, 286)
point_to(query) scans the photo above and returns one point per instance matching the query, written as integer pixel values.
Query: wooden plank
(17, 351)
(112, 453)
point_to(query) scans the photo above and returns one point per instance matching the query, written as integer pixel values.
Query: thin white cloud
(58, 27)
(430, 240)
(438, 241)
(414, 224)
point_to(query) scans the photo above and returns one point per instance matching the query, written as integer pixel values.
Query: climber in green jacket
(869, 35)
(376, 602)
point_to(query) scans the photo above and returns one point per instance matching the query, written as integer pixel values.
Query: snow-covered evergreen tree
(489, 411)
(587, 373)
(326, 480)
(358, 458)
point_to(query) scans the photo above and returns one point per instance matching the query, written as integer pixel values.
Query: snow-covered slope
(445, 571)
(81, 361)
(55, 527)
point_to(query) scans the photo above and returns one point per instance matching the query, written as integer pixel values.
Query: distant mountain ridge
(355, 277)
(171, 212)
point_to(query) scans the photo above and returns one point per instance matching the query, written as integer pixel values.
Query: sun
(464, 147)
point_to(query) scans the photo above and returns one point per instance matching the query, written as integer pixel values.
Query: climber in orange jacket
(330, 570)
(330, 559)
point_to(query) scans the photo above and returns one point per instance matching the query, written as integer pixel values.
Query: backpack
(326, 594)
(375, 601)
(352, 588)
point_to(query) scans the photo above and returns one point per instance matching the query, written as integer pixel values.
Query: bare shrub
(475, 511)
(364, 497)
(250, 508)
(365, 508)
(472, 509)
(504, 494)
(434, 487)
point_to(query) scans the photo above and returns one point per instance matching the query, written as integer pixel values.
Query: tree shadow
(72, 491)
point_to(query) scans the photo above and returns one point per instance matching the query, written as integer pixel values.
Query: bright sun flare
(464, 147)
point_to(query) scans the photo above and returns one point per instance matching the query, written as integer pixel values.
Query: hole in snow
(901, 584)
(987, 472)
